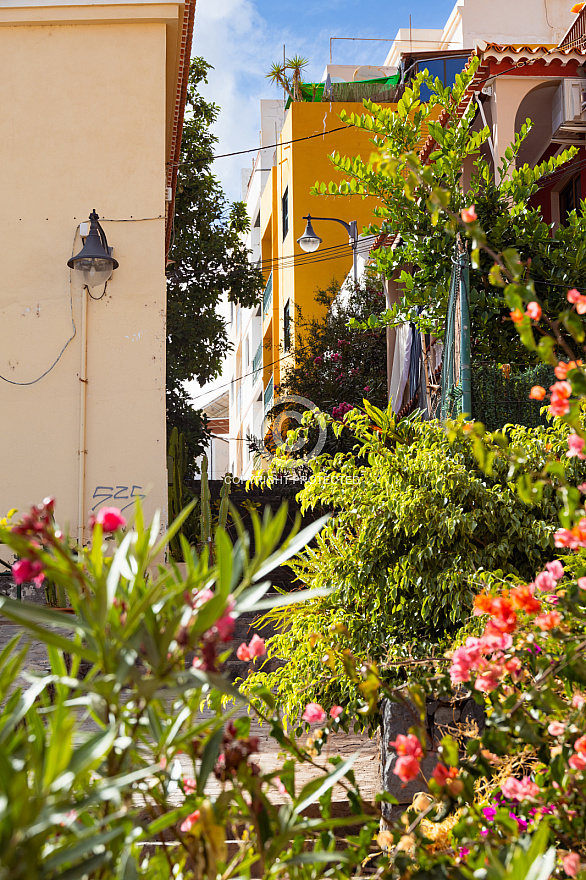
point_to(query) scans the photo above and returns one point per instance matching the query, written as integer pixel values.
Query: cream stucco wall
(83, 125)
(474, 22)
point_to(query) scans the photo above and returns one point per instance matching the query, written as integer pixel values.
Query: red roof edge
(180, 98)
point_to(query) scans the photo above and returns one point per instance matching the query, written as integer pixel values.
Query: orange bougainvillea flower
(469, 214)
(576, 8)
(522, 598)
(503, 616)
(517, 316)
(482, 604)
(564, 368)
(537, 392)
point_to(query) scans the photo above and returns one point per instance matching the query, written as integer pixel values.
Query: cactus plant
(179, 496)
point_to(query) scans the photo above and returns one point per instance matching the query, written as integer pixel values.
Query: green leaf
(309, 794)
(209, 758)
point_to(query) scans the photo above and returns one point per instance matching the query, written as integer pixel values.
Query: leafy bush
(415, 520)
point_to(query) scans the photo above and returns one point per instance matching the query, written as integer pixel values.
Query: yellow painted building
(296, 276)
(92, 100)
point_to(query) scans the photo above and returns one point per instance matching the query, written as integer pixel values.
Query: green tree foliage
(416, 523)
(209, 262)
(334, 366)
(422, 205)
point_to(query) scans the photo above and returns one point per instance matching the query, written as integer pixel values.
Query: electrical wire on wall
(62, 352)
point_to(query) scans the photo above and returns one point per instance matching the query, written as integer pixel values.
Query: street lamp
(94, 263)
(309, 241)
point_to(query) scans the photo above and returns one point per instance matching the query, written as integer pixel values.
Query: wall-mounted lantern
(94, 263)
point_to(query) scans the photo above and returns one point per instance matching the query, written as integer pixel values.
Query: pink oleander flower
(559, 406)
(556, 728)
(521, 789)
(571, 864)
(565, 538)
(406, 768)
(280, 786)
(545, 581)
(314, 714)
(533, 311)
(27, 570)
(582, 583)
(489, 678)
(548, 621)
(578, 701)
(190, 821)
(110, 519)
(255, 648)
(577, 761)
(224, 626)
(336, 711)
(575, 446)
(580, 745)
(189, 784)
(492, 639)
(469, 214)
(556, 569)
(465, 659)
(407, 745)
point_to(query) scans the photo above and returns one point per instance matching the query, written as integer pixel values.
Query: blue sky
(242, 38)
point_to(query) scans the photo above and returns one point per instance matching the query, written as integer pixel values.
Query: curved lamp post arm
(352, 230)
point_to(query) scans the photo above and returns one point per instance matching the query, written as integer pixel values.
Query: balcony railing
(267, 299)
(576, 36)
(257, 365)
(268, 397)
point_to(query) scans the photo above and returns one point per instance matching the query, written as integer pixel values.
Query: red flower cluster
(38, 525)
(39, 522)
(236, 750)
(340, 411)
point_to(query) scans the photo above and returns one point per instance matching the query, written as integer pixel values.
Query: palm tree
(290, 82)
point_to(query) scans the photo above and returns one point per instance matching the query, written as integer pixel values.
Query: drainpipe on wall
(82, 418)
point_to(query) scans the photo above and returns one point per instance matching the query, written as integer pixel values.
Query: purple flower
(489, 813)
(522, 824)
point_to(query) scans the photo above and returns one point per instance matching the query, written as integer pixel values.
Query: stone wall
(462, 719)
